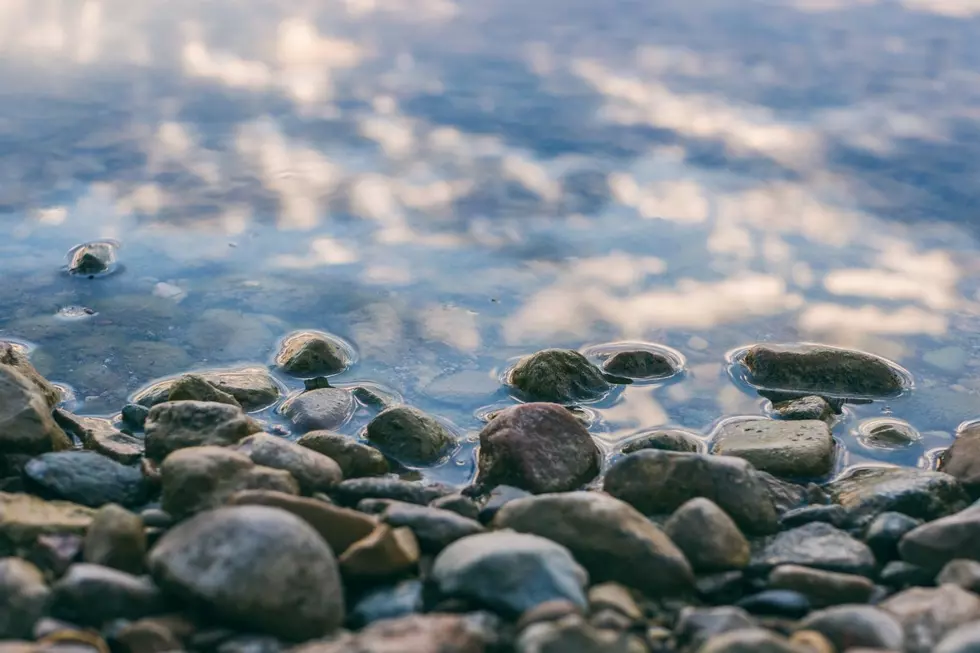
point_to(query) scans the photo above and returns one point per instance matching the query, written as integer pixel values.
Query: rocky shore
(188, 524)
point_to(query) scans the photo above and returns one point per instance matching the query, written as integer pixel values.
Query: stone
(786, 495)
(134, 416)
(885, 531)
(459, 504)
(962, 459)
(26, 519)
(308, 353)
(562, 376)
(640, 364)
(935, 543)
(666, 440)
(356, 460)
(508, 572)
(499, 497)
(116, 539)
(13, 356)
(804, 408)
(852, 626)
(748, 640)
(252, 387)
(384, 553)
(352, 491)
(816, 545)
(313, 410)
(822, 588)
(536, 447)
(927, 614)
(430, 633)
(833, 514)
(708, 537)
(866, 492)
(176, 425)
(93, 595)
(23, 598)
(887, 434)
(253, 566)
(721, 588)
(193, 387)
(823, 370)
(787, 604)
(571, 634)
(313, 471)
(613, 596)
(92, 258)
(802, 448)
(658, 482)
(965, 639)
(548, 611)
(100, 436)
(85, 478)
(150, 635)
(409, 436)
(695, 626)
(962, 573)
(387, 602)
(900, 574)
(435, 529)
(810, 641)
(26, 424)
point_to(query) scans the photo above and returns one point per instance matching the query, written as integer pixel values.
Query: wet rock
(822, 370)
(499, 497)
(853, 626)
(810, 641)
(608, 537)
(26, 424)
(887, 434)
(820, 546)
(432, 633)
(885, 531)
(613, 596)
(356, 460)
(965, 639)
(926, 614)
(390, 602)
(869, 491)
(786, 496)
(536, 447)
(254, 566)
(16, 358)
(459, 504)
(571, 634)
(935, 543)
(667, 440)
(900, 574)
(180, 424)
(383, 553)
(410, 436)
(834, 515)
(722, 588)
(92, 595)
(803, 448)
(309, 353)
(508, 572)
(640, 364)
(326, 408)
(101, 436)
(962, 459)
(313, 471)
(657, 482)
(151, 635)
(92, 258)
(85, 478)
(751, 640)
(548, 611)
(559, 375)
(708, 537)
(435, 529)
(962, 573)
(192, 387)
(252, 387)
(353, 491)
(804, 408)
(25, 518)
(116, 539)
(695, 626)
(134, 416)
(822, 588)
(23, 598)
(787, 604)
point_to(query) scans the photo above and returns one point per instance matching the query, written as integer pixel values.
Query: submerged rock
(803, 448)
(962, 459)
(356, 460)
(887, 434)
(325, 408)
(178, 424)
(410, 436)
(667, 440)
(85, 478)
(313, 471)
(640, 364)
(26, 424)
(192, 387)
(14, 357)
(558, 375)
(308, 353)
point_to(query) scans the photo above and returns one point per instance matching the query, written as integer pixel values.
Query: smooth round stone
(884, 533)
(134, 416)
(353, 491)
(965, 639)
(459, 504)
(499, 497)
(24, 597)
(816, 545)
(435, 529)
(935, 543)
(899, 573)
(666, 440)
(116, 539)
(313, 471)
(822, 588)
(92, 595)
(325, 408)
(962, 573)
(695, 626)
(641, 364)
(709, 538)
(410, 436)
(752, 640)
(927, 614)
(851, 626)
(558, 375)
(776, 603)
(356, 460)
(85, 478)
(309, 353)
(833, 514)
(389, 602)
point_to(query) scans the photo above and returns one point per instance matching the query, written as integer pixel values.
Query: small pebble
(776, 603)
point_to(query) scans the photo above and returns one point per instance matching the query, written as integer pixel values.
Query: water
(452, 184)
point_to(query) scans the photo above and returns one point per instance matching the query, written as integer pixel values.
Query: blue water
(451, 184)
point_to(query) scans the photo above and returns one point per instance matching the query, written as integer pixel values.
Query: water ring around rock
(93, 259)
(675, 360)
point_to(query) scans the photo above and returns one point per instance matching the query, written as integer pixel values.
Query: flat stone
(176, 425)
(17, 359)
(24, 598)
(695, 626)
(559, 375)
(803, 448)
(431, 633)
(309, 353)
(852, 626)
(435, 529)
(667, 440)
(116, 539)
(93, 595)
(927, 614)
(100, 436)
(750, 640)
(616, 597)
(962, 573)
(804, 408)
(356, 460)
(193, 387)
(935, 543)
(353, 491)
(85, 478)
(383, 553)
(26, 424)
(822, 588)
(962, 459)
(313, 471)
(887, 434)
(820, 546)
(709, 538)
(324, 408)
(410, 436)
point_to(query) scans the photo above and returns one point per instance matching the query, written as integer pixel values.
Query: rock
(176, 425)
(85, 478)
(459, 504)
(695, 626)
(536, 447)
(254, 566)
(201, 478)
(816, 545)
(25, 518)
(116, 539)
(657, 482)
(150, 635)
(667, 440)
(852, 626)
(866, 492)
(810, 641)
(435, 529)
(608, 537)
(548, 611)
(23, 598)
(14, 357)
(803, 448)
(935, 543)
(962, 459)
(313, 471)
(887, 434)
(384, 553)
(926, 614)
(26, 424)
(722, 588)
(134, 416)
(431, 633)
(962, 573)
(389, 602)
(340, 527)
(326, 408)
(787, 604)
(750, 640)
(965, 639)
(92, 595)
(100, 436)
(309, 353)
(804, 408)
(613, 596)
(355, 459)
(885, 531)
(834, 515)
(900, 574)
(92, 258)
(410, 436)
(640, 364)
(192, 387)
(822, 588)
(708, 537)
(252, 387)
(499, 497)
(823, 370)
(351, 492)
(559, 375)
(571, 634)
(508, 572)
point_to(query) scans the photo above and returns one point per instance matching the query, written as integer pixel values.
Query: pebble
(695, 626)
(92, 258)
(748, 640)
(134, 416)
(884, 533)
(816, 545)
(193, 387)
(935, 543)
(927, 614)
(499, 497)
(13, 357)
(150, 635)
(356, 460)
(28, 427)
(435, 529)
(25, 518)
(804, 408)
(709, 538)
(666, 440)
(384, 553)
(314, 410)
(100, 436)
(176, 425)
(851, 626)
(810, 641)
(430, 633)
(85, 478)
(116, 539)
(351, 492)
(459, 504)
(834, 515)
(962, 573)
(614, 596)
(571, 634)
(887, 434)
(803, 448)
(965, 639)
(776, 603)
(313, 471)
(388, 602)
(410, 436)
(822, 588)
(962, 459)
(899, 573)
(640, 364)
(93, 595)
(24, 597)
(558, 375)
(309, 353)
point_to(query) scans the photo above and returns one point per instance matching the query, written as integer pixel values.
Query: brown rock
(26, 424)
(385, 552)
(355, 459)
(101, 436)
(176, 425)
(962, 459)
(431, 633)
(822, 588)
(14, 357)
(313, 471)
(192, 387)
(116, 539)
(709, 538)
(927, 613)
(25, 518)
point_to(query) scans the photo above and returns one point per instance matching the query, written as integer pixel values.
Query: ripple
(674, 359)
(93, 259)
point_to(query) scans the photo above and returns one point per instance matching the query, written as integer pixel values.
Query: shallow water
(451, 184)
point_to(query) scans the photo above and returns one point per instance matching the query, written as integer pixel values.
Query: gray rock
(962, 459)
(822, 588)
(776, 603)
(786, 495)
(640, 364)
(23, 598)
(935, 543)
(804, 408)
(353, 491)
(816, 545)
(751, 640)
(116, 539)
(430, 633)
(657, 482)
(459, 504)
(499, 497)
(612, 540)
(176, 425)
(193, 387)
(26, 424)
(834, 515)
(559, 375)
(508, 572)
(101, 436)
(965, 639)
(253, 566)
(823, 370)
(308, 353)
(388, 602)
(435, 529)
(25, 518)
(15, 357)
(962, 573)
(536, 447)
(313, 471)
(134, 416)
(667, 440)
(708, 537)
(325, 408)
(410, 436)
(356, 460)
(695, 626)
(802, 448)
(92, 595)
(901, 574)
(926, 614)
(572, 634)
(85, 478)
(885, 531)
(853, 626)
(92, 258)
